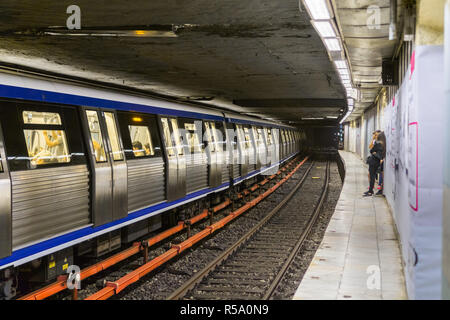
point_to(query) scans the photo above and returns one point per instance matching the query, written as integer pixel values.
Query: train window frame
(221, 128)
(269, 137)
(116, 148)
(101, 144)
(248, 142)
(15, 144)
(149, 120)
(231, 133)
(217, 143)
(176, 136)
(196, 131)
(240, 136)
(210, 139)
(259, 136)
(149, 140)
(43, 129)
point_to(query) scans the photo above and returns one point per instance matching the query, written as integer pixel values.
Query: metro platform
(359, 257)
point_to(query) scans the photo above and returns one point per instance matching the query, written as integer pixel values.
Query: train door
(176, 163)
(215, 154)
(282, 144)
(261, 149)
(195, 155)
(232, 151)
(223, 147)
(288, 143)
(269, 143)
(291, 142)
(146, 168)
(5, 203)
(109, 168)
(251, 149)
(243, 159)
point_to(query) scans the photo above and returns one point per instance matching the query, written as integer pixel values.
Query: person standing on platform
(381, 139)
(376, 154)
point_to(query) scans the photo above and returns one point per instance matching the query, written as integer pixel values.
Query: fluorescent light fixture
(318, 9)
(333, 44)
(332, 117)
(324, 28)
(341, 64)
(112, 33)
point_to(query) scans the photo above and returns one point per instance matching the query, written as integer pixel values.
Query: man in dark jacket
(376, 154)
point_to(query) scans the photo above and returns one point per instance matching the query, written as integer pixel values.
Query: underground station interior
(225, 150)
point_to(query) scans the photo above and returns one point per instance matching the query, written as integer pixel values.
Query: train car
(84, 170)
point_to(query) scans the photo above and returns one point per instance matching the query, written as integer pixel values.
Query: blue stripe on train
(14, 92)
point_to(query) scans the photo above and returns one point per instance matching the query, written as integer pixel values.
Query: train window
(215, 134)
(192, 137)
(240, 135)
(232, 136)
(167, 137)
(259, 137)
(269, 136)
(221, 136)
(248, 140)
(210, 137)
(141, 141)
(176, 136)
(96, 136)
(113, 136)
(35, 117)
(46, 146)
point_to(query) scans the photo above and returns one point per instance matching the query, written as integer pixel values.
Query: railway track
(255, 265)
(139, 250)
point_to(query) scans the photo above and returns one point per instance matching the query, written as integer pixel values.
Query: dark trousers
(372, 175)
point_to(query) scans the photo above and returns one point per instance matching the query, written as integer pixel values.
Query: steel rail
(301, 240)
(199, 276)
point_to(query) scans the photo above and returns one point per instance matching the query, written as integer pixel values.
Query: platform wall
(412, 118)
(446, 208)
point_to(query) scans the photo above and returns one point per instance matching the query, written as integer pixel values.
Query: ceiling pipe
(393, 23)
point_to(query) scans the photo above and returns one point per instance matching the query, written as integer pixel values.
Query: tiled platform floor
(359, 257)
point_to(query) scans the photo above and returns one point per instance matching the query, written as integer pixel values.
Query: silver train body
(79, 164)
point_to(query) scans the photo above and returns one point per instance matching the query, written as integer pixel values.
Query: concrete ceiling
(365, 29)
(260, 57)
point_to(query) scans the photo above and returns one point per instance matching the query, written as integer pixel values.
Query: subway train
(84, 169)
